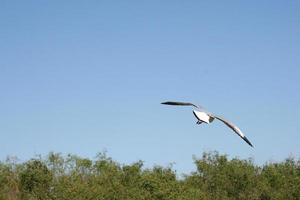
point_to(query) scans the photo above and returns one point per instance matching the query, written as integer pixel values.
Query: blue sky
(85, 77)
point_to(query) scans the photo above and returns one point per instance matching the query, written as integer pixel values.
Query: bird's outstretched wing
(174, 103)
(235, 129)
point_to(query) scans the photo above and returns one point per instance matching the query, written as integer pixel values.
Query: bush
(35, 180)
(216, 177)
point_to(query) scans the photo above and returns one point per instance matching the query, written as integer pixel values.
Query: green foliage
(217, 177)
(35, 180)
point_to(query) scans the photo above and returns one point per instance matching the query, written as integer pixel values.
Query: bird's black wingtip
(172, 103)
(248, 142)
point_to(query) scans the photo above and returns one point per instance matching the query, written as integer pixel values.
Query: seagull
(203, 116)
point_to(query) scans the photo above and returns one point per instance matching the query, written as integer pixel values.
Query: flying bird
(203, 116)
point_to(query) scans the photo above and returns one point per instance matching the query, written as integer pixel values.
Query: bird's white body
(202, 116)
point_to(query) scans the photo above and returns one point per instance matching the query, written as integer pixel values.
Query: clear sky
(83, 77)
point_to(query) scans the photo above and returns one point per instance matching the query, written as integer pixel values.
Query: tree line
(217, 177)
